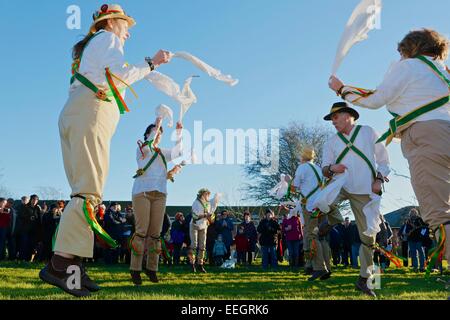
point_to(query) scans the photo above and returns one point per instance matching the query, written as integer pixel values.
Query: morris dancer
(308, 183)
(353, 149)
(87, 124)
(149, 200)
(202, 216)
(416, 91)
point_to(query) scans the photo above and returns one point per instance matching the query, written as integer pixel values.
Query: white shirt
(106, 50)
(305, 179)
(155, 177)
(198, 209)
(409, 84)
(360, 176)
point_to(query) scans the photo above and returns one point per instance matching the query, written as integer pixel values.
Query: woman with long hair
(86, 125)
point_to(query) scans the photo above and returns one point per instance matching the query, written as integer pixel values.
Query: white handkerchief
(372, 213)
(165, 112)
(328, 195)
(211, 71)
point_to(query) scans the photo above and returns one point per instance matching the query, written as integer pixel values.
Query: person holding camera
(269, 229)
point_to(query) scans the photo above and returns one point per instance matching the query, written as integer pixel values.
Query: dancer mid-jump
(87, 124)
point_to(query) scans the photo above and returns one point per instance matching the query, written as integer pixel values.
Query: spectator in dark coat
(383, 239)
(28, 228)
(269, 229)
(356, 244)
(177, 236)
(415, 244)
(224, 226)
(114, 222)
(187, 237)
(211, 237)
(251, 234)
(403, 233)
(336, 243)
(346, 243)
(11, 232)
(50, 221)
(128, 231)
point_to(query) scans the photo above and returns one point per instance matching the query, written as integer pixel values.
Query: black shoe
(326, 276)
(194, 270)
(361, 285)
(317, 274)
(60, 279)
(309, 271)
(152, 276)
(201, 268)
(136, 277)
(87, 282)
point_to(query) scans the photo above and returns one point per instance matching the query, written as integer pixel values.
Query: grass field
(20, 281)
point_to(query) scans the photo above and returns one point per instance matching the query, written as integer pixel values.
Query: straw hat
(341, 107)
(110, 11)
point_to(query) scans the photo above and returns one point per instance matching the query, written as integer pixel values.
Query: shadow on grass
(22, 282)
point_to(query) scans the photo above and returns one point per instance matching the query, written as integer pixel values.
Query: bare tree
(293, 139)
(4, 191)
(48, 193)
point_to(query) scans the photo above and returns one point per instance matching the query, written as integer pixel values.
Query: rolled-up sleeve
(114, 59)
(393, 86)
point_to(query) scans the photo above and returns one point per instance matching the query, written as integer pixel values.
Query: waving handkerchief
(211, 71)
(357, 28)
(328, 195)
(165, 112)
(372, 213)
(187, 97)
(281, 188)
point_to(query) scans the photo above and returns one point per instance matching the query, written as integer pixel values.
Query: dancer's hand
(179, 128)
(338, 168)
(161, 57)
(335, 83)
(376, 187)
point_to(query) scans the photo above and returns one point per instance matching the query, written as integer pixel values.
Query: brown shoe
(361, 285)
(55, 273)
(136, 277)
(152, 276)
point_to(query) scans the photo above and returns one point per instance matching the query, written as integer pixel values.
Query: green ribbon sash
(399, 121)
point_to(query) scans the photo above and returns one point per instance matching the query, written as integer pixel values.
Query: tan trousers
(86, 126)
(426, 146)
(321, 247)
(357, 203)
(149, 210)
(308, 262)
(198, 241)
(325, 246)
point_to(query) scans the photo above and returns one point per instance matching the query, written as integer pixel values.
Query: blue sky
(282, 52)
